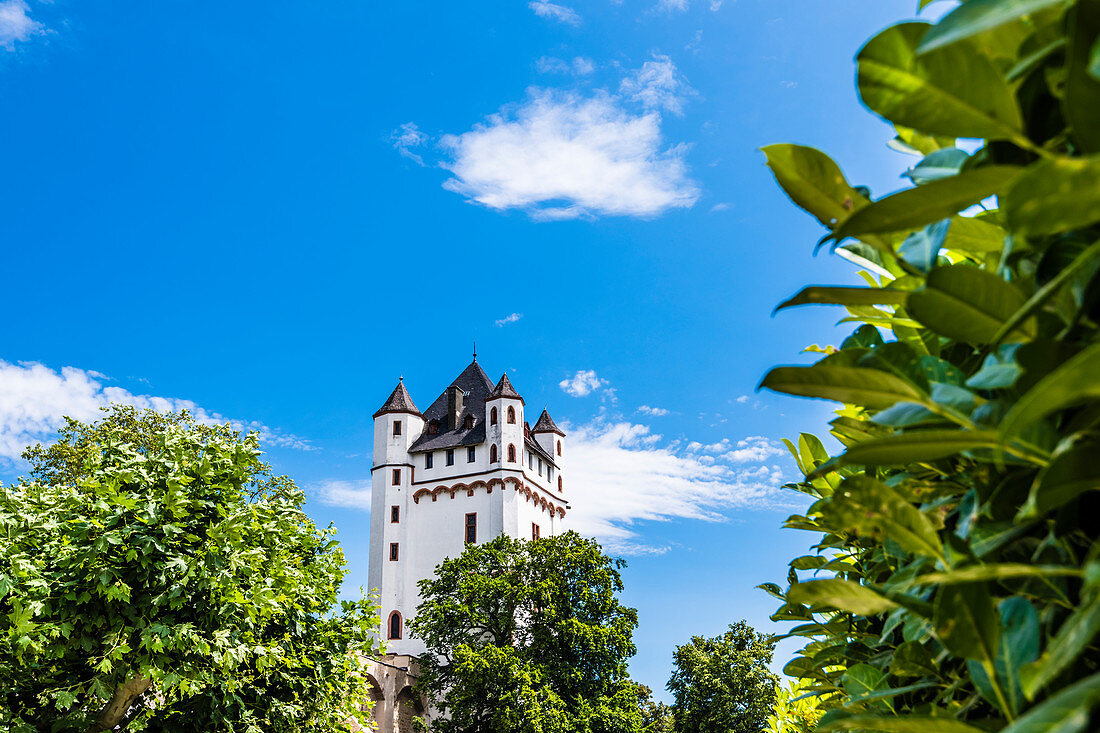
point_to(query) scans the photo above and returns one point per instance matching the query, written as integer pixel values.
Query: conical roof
(546, 424)
(504, 388)
(399, 401)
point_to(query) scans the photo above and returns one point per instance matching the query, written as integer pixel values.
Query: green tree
(528, 636)
(656, 716)
(955, 582)
(723, 684)
(156, 576)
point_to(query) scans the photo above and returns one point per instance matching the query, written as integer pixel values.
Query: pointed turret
(504, 388)
(546, 424)
(399, 401)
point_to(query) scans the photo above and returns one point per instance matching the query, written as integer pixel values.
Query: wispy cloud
(580, 65)
(658, 85)
(553, 11)
(508, 319)
(406, 137)
(582, 384)
(349, 494)
(654, 411)
(34, 398)
(677, 6)
(621, 473)
(16, 24)
(720, 206)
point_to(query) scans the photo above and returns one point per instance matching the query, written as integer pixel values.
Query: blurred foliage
(796, 710)
(156, 576)
(955, 584)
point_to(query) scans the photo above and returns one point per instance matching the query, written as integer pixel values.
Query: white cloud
(34, 398)
(562, 156)
(580, 65)
(658, 85)
(16, 25)
(408, 136)
(582, 384)
(553, 11)
(715, 5)
(509, 319)
(620, 474)
(752, 449)
(655, 411)
(350, 494)
(678, 6)
(743, 398)
(583, 66)
(720, 206)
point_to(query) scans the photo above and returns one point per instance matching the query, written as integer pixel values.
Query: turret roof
(546, 424)
(504, 388)
(476, 384)
(399, 401)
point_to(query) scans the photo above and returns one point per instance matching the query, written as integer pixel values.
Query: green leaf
(1076, 381)
(820, 294)
(840, 594)
(871, 507)
(966, 623)
(813, 181)
(912, 142)
(968, 304)
(862, 679)
(999, 370)
(918, 446)
(936, 165)
(969, 234)
(1054, 195)
(912, 659)
(936, 200)
(922, 248)
(1094, 61)
(976, 16)
(1075, 634)
(1065, 712)
(953, 91)
(1019, 646)
(851, 385)
(907, 724)
(1081, 98)
(1045, 293)
(1070, 473)
(999, 571)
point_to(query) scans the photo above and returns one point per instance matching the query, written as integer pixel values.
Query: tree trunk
(124, 696)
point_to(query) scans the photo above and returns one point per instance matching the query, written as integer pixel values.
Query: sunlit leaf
(976, 16)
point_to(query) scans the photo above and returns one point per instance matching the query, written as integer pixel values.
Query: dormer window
(511, 416)
(433, 427)
(467, 422)
(493, 416)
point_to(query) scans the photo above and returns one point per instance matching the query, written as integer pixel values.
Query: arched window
(511, 416)
(468, 422)
(559, 483)
(395, 626)
(511, 454)
(559, 447)
(492, 454)
(433, 427)
(493, 416)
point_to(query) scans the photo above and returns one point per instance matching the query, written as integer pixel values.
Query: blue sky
(270, 211)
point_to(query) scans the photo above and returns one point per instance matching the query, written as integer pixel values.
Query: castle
(466, 470)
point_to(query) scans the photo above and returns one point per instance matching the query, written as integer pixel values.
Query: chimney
(454, 406)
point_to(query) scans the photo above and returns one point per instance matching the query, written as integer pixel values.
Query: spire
(546, 424)
(504, 388)
(399, 401)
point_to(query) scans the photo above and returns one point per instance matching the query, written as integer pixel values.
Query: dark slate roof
(537, 449)
(546, 424)
(399, 401)
(476, 384)
(504, 388)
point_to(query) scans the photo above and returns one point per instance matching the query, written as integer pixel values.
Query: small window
(395, 514)
(428, 458)
(559, 447)
(530, 460)
(433, 427)
(493, 416)
(451, 457)
(397, 427)
(393, 551)
(492, 454)
(549, 472)
(471, 528)
(540, 467)
(397, 477)
(511, 416)
(535, 531)
(471, 454)
(559, 483)
(511, 454)
(467, 422)
(395, 625)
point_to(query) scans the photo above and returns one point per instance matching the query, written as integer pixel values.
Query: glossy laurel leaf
(840, 594)
(1054, 195)
(823, 295)
(852, 385)
(976, 16)
(968, 304)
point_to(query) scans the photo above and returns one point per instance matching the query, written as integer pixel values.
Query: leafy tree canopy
(656, 716)
(955, 582)
(156, 576)
(723, 683)
(528, 637)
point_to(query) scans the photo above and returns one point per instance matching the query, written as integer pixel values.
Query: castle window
(535, 531)
(451, 457)
(530, 460)
(471, 528)
(559, 447)
(493, 416)
(549, 472)
(395, 514)
(471, 454)
(395, 625)
(393, 551)
(540, 467)
(559, 483)
(428, 458)
(397, 427)
(433, 427)
(492, 454)
(511, 416)
(397, 477)
(467, 422)
(511, 454)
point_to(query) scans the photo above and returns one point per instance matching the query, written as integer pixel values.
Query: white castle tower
(467, 469)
